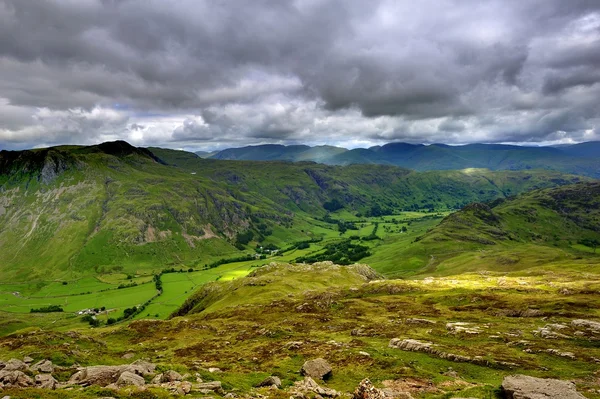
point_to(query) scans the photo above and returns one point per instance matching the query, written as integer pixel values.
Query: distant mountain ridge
(582, 159)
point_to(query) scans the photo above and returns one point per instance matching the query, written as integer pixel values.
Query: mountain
(73, 211)
(582, 159)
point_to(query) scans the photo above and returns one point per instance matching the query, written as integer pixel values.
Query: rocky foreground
(345, 333)
(140, 376)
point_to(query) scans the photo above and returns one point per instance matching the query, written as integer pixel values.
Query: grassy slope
(541, 229)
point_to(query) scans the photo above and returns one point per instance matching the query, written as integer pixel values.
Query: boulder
(15, 379)
(28, 359)
(96, 375)
(170, 376)
(45, 381)
(366, 390)
(15, 364)
(317, 368)
(128, 378)
(214, 386)
(270, 381)
(43, 366)
(525, 387)
(140, 367)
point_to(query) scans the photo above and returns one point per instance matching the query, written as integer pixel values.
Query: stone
(45, 381)
(141, 367)
(96, 375)
(293, 345)
(317, 368)
(128, 378)
(43, 366)
(463, 328)
(214, 386)
(591, 326)
(128, 355)
(15, 364)
(214, 370)
(309, 385)
(27, 359)
(366, 390)
(170, 376)
(15, 379)
(525, 387)
(415, 320)
(270, 381)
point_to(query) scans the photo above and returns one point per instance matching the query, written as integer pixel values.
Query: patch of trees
(333, 205)
(591, 243)
(342, 253)
(48, 309)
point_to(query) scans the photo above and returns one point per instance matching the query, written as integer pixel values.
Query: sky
(207, 75)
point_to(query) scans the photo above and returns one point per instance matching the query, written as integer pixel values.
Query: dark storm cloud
(345, 72)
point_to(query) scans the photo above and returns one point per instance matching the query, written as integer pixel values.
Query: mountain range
(583, 158)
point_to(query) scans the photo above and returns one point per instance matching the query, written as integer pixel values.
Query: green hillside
(72, 211)
(555, 229)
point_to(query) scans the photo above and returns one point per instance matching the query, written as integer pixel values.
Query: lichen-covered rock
(525, 387)
(317, 368)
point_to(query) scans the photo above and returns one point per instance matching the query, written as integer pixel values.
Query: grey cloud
(312, 70)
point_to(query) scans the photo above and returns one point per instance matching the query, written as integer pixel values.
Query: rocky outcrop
(15, 364)
(15, 379)
(525, 387)
(589, 326)
(317, 368)
(106, 375)
(413, 345)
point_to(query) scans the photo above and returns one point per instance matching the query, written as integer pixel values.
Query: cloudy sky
(212, 74)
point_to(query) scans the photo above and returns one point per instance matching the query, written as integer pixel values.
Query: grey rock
(15, 379)
(43, 366)
(128, 378)
(45, 381)
(170, 376)
(270, 381)
(317, 368)
(525, 387)
(15, 364)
